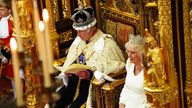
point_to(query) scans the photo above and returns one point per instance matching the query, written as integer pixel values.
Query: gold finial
(151, 4)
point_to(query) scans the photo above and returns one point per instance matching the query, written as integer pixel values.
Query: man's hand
(83, 75)
(121, 105)
(68, 74)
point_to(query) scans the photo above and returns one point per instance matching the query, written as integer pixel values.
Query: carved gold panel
(26, 25)
(66, 8)
(84, 2)
(124, 6)
(159, 98)
(65, 36)
(111, 93)
(121, 11)
(188, 49)
(118, 16)
(111, 28)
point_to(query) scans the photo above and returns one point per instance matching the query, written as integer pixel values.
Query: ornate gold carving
(188, 51)
(66, 9)
(121, 5)
(55, 10)
(28, 43)
(166, 42)
(124, 5)
(160, 97)
(111, 28)
(28, 39)
(84, 2)
(111, 93)
(165, 29)
(156, 81)
(155, 65)
(112, 14)
(151, 17)
(55, 48)
(151, 4)
(65, 36)
(122, 17)
(25, 16)
(53, 34)
(49, 6)
(31, 100)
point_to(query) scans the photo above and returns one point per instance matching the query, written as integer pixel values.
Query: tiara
(136, 40)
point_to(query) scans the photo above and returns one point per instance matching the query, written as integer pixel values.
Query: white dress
(133, 95)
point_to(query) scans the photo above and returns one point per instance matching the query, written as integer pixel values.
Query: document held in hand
(74, 68)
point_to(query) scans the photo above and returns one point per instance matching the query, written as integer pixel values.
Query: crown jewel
(83, 18)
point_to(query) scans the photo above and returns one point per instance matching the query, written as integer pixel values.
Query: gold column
(166, 42)
(166, 36)
(66, 9)
(25, 17)
(188, 51)
(25, 9)
(142, 18)
(55, 10)
(53, 33)
(97, 11)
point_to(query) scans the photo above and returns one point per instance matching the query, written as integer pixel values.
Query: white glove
(63, 77)
(101, 77)
(108, 78)
(4, 60)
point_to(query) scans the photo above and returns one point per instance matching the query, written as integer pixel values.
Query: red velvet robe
(7, 69)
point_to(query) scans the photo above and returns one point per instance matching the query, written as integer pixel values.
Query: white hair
(137, 42)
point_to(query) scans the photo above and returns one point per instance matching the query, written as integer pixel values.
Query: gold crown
(83, 18)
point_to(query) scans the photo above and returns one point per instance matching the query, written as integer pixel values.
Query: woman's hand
(121, 105)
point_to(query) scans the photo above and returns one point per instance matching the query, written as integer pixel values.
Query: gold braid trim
(77, 91)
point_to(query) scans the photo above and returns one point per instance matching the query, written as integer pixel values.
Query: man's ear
(92, 30)
(10, 11)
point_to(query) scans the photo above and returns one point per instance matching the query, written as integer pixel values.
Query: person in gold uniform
(91, 47)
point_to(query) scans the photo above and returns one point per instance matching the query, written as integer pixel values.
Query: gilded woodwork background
(119, 18)
(188, 50)
(166, 36)
(52, 18)
(112, 16)
(26, 24)
(117, 14)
